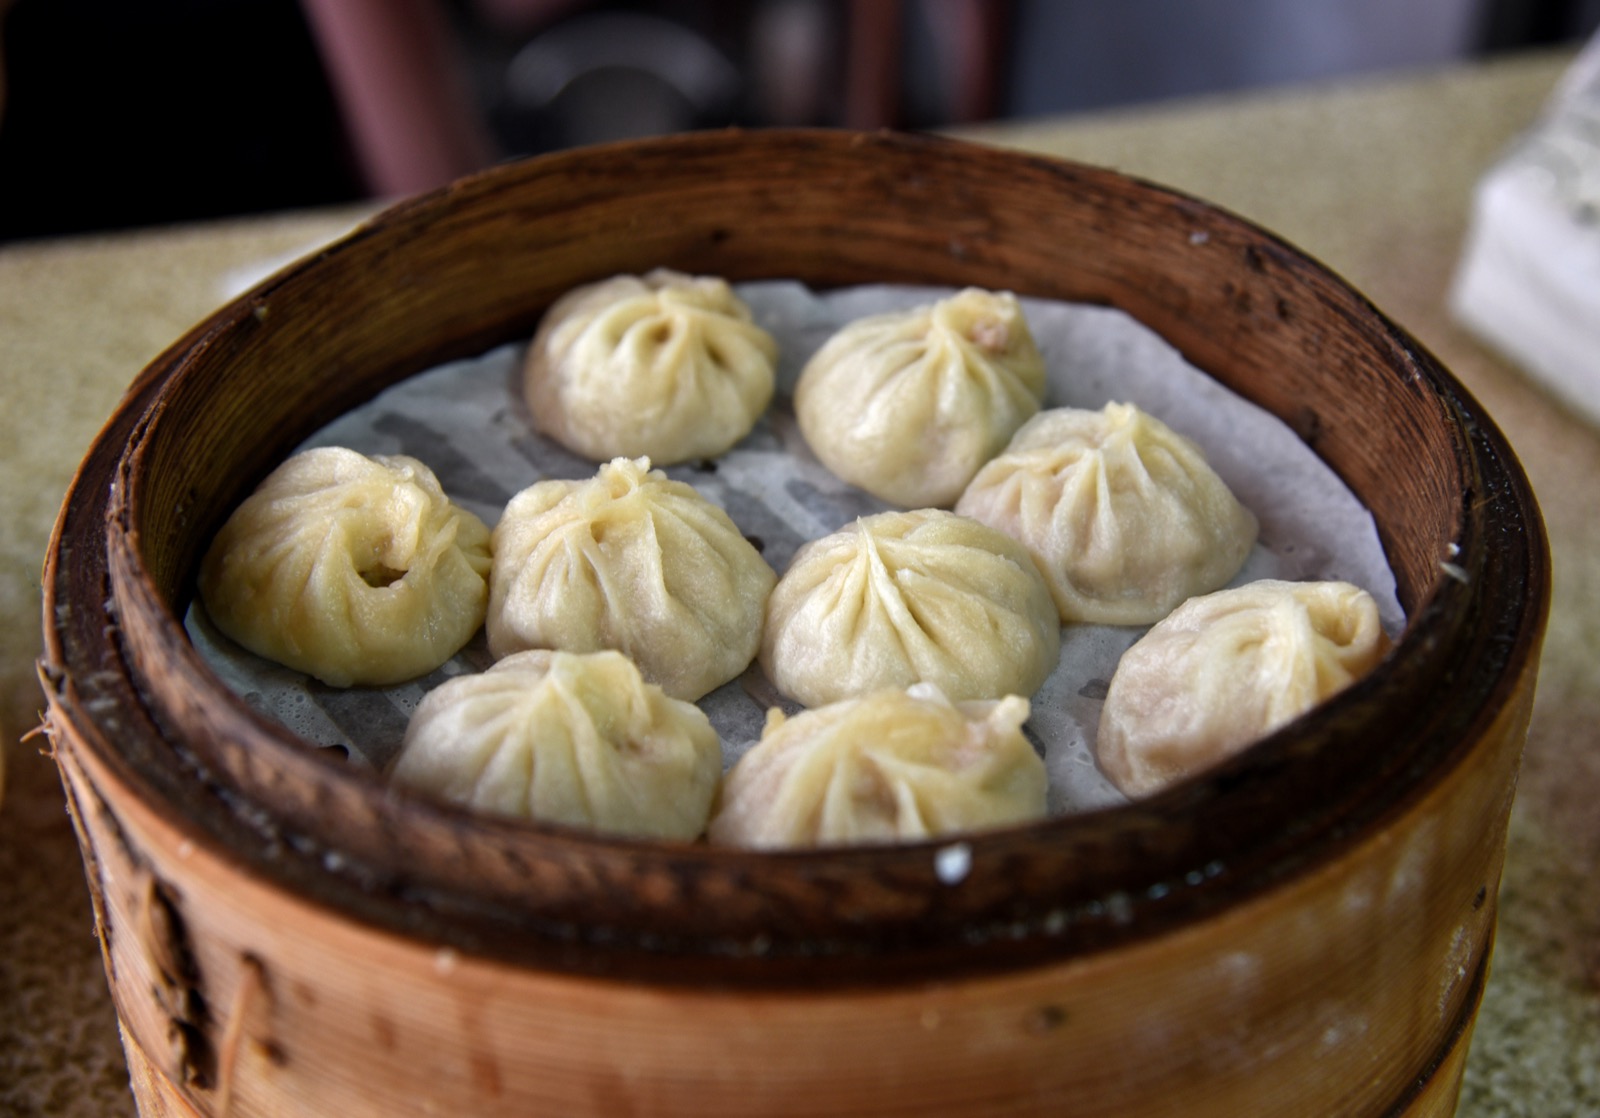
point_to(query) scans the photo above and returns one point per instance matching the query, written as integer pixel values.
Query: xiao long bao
(908, 405)
(891, 766)
(629, 560)
(566, 738)
(1123, 515)
(1227, 669)
(664, 366)
(910, 597)
(352, 569)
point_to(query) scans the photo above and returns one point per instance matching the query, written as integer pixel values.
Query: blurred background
(125, 113)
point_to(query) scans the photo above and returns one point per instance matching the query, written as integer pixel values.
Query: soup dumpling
(1124, 516)
(634, 561)
(352, 569)
(1228, 668)
(578, 739)
(910, 597)
(908, 405)
(894, 765)
(665, 366)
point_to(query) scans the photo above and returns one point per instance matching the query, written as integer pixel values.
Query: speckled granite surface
(1373, 178)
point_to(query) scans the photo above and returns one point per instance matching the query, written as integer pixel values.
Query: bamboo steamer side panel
(153, 1092)
(1349, 992)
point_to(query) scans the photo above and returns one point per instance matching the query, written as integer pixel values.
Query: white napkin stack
(1529, 278)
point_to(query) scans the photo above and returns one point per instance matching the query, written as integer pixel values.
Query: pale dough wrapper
(910, 597)
(909, 405)
(352, 569)
(664, 366)
(1229, 668)
(1123, 515)
(558, 737)
(892, 766)
(633, 561)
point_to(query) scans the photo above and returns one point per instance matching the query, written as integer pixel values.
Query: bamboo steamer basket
(1304, 930)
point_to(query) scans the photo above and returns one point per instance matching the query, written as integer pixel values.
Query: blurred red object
(400, 74)
(403, 91)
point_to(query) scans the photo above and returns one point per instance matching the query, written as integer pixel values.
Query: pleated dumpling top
(891, 766)
(1124, 516)
(1227, 668)
(577, 739)
(908, 405)
(629, 560)
(352, 569)
(663, 366)
(910, 597)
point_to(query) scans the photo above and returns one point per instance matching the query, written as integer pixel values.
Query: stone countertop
(1374, 177)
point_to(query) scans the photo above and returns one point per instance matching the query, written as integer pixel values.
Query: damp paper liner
(467, 420)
